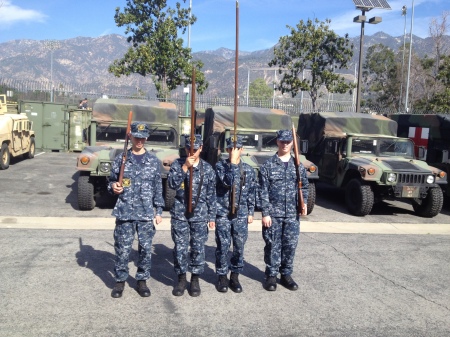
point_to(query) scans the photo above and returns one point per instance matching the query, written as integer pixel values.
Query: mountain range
(83, 62)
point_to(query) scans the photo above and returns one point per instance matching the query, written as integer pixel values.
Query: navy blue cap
(197, 141)
(140, 130)
(284, 135)
(230, 142)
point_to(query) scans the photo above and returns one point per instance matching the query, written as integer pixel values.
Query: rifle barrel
(191, 149)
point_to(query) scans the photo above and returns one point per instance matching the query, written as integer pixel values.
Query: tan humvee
(16, 135)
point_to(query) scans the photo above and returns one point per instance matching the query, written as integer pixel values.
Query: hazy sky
(262, 22)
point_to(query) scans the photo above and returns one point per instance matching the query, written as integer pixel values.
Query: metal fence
(73, 93)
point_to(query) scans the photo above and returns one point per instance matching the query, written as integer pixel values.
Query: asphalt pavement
(357, 276)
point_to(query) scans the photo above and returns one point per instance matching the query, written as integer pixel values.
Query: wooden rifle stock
(192, 142)
(236, 66)
(300, 204)
(125, 148)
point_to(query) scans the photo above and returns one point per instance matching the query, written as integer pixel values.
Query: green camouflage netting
(315, 126)
(112, 110)
(261, 119)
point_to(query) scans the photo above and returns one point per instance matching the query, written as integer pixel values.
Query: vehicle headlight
(430, 179)
(391, 177)
(105, 167)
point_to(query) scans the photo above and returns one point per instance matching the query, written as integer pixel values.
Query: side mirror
(212, 142)
(335, 146)
(303, 146)
(182, 141)
(422, 153)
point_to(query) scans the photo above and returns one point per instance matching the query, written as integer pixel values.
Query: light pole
(362, 19)
(248, 83)
(51, 45)
(403, 59)
(410, 52)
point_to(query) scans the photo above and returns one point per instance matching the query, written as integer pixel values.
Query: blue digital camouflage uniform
(136, 207)
(233, 228)
(192, 231)
(278, 193)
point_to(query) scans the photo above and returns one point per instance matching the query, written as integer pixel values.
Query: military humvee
(362, 154)
(110, 117)
(16, 135)
(258, 128)
(431, 136)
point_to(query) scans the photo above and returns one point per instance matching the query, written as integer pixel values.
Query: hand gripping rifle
(191, 149)
(233, 210)
(125, 148)
(300, 204)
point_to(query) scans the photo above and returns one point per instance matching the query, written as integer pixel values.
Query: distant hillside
(84, 61)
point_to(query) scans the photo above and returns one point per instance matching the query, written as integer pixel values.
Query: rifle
(191, 149)
(233, 210)
(125, 148)
(301, 203)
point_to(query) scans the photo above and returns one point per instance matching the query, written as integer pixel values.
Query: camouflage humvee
(110, 116)
(431, 136)
(258, 128)
(362, 154)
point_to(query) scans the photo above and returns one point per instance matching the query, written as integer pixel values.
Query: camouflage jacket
(205, 201)
(226, 174)
(142, 188)
(278, 188)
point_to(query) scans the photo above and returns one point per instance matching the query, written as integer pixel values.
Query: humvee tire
(311, 197)
(359, 197)
(86, 200)
(30, 153)
(431, 205)
(5, 157)
(169, 195)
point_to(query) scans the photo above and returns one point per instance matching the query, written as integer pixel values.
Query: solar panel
(370, 4)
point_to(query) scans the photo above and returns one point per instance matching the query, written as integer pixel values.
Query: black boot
(194, 290)
(118, 290)
(234, 283)
(179, 289)
(222, 284)
(142, 288)
(271, 283)
(288, 282)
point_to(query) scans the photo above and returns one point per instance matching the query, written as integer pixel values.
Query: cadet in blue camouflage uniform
(281, 223)
(229, 225)
(140, 200)
(191, 229)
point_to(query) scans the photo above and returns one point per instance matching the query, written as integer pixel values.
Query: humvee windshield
(259, 141)
(383, 147)
(117, 134)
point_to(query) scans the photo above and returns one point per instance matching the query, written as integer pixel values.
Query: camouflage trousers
(281, 241)
(123, 242)
(235, 230)
(189, 234)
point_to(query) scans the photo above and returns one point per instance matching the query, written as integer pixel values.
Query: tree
(312, 46)
(441, 100)
(156, 48)
(260, 90)
(380, 74)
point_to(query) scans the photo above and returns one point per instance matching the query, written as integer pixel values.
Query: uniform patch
(126, 182)
(182, 185)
